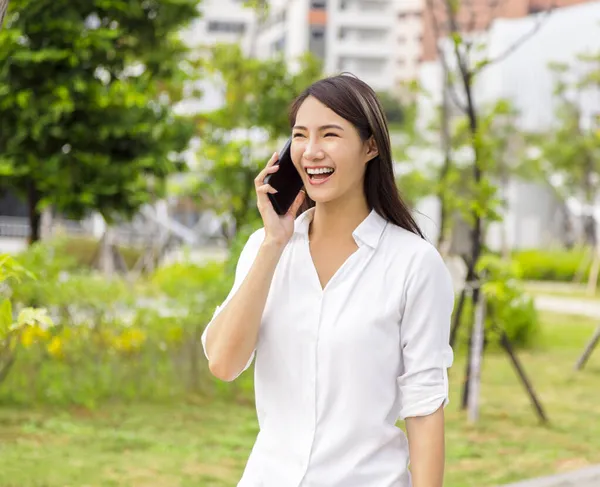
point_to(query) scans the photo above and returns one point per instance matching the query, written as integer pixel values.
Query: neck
(338, 219)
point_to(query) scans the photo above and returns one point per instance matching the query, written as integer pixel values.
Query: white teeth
(322, 170)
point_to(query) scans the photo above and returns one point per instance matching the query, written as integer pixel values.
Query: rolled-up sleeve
(244, 263)
(424, 336)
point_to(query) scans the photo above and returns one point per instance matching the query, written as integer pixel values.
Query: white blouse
(337, 367)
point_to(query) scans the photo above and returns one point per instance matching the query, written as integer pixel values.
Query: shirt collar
(368, 231)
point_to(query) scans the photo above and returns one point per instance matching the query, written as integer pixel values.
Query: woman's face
(328, 152)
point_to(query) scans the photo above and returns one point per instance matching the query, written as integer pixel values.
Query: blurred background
(130, 135)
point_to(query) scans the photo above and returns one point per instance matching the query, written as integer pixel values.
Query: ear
(372, 150)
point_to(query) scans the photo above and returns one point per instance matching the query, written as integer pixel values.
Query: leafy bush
(70, 253)
(552, 265)
(32, 327)
(509, 306)
(114, 339)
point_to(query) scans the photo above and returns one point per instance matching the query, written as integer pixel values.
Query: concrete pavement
(567, 305)
(587, 477)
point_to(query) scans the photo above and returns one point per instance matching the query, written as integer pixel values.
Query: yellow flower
(28, 336)
(32, 334)
(55, 347)
(130, 340)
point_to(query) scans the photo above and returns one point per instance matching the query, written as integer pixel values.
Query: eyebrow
(322, 127)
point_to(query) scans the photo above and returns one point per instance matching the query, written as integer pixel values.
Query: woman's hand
(278, 229)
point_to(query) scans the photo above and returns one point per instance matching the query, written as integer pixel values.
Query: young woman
(346, 308)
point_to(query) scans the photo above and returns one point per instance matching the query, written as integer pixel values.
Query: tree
(569, 152)
(463, 62)
(86, 96)
(238, 137)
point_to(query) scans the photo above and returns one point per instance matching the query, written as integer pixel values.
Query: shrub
(32, 327)
(113, 339)
(508, 307)
(552, 265)
(69, 253)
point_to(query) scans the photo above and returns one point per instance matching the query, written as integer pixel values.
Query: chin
(321, 196)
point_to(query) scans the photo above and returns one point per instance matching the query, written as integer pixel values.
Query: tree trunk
(446, 147)
(476, 230)
(3, 9)
(35, 216)
(476, 357)
(504, 183)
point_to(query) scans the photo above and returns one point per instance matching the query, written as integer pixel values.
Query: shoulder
(256, 237)
(251, 247)
(418, 258)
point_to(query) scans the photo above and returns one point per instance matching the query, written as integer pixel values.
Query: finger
(266, 188)
(273, 160)
(297, 203)
(258, 181)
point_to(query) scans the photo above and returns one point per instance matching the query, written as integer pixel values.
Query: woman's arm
(231, 337)
(427, 449)
(426, 356)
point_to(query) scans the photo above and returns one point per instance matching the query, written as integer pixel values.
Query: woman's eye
(331, 134)
(297, 135)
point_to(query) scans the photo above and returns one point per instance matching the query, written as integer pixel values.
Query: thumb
(297, 203)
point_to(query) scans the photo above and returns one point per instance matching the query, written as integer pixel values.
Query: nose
(313, 151)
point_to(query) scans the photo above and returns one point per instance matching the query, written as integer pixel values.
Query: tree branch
(449, 85)
(524, 38)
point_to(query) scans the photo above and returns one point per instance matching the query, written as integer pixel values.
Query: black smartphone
(287, 181)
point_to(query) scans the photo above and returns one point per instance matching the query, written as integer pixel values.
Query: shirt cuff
(423, 393)
(424, 398)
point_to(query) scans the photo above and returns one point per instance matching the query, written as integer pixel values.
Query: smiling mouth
(319, 175)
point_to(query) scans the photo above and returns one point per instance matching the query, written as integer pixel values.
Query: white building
(408, 39)
(226, 21)
(377, 40)
(534, 217)
(348, 35)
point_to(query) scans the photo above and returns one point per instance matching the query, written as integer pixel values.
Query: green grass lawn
(203, 444)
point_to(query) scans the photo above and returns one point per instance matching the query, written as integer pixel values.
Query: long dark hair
(355, 101)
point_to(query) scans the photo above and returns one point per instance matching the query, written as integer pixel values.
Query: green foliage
(70, 253)
(112, 339)
(392, 107)
(553, 264)
(32, 326)
(495, 161)
(97, 129)
(509, 307)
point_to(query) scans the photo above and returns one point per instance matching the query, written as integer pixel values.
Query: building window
(226, 27)
(279, 45)
(316, 43)
(370, 65)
